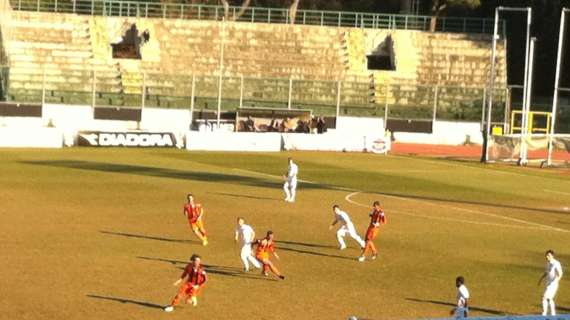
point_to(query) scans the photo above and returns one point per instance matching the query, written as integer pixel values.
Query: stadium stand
(54, 57)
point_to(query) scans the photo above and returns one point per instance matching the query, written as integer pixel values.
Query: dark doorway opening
(383, 57)
(130, 45)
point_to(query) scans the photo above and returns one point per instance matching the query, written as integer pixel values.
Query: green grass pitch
(99, 234)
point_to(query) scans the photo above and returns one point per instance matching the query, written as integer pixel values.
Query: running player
(193, 279)
(246, 236)
(194, 212)
(377, 218)
(264, 247)
(462, 309)
(553, 274)
(346, 227)
(290, 186)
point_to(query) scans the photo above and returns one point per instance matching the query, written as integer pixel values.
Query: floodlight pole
(493, 67)
(491, 84)
(192, 102)
(221, 72)
(526, 111)
(556, 84)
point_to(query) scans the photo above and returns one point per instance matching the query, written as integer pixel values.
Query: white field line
(531, 225)
(502, 225)
(478, 212)
(557, 192)
(451, 164)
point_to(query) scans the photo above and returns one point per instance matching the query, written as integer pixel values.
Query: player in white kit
(462, 309)
(245, 235)
(346, 227)
(553, 274)
(290, 185)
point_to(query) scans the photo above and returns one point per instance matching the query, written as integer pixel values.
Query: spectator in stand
(273, 125)
(302, 127)
(321, 125)
(250, 125)
(145, 36)
(287, 125)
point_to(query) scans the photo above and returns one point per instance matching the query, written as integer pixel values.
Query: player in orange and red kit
(264, 247)
(193, 279)
(194, 212)
(377, 218)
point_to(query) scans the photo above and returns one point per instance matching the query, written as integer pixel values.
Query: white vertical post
(483, 105)
(94, 90)
(290, 93)
(435, 92)
(223, 31)
(44, 87)
(386, 111)
(556, 84)
(507, 110)
(526, 112)
(525, 87)
(338, 91)
(143, 96)
(492, 80)
(241, 92)
(491, 84)
(192, 97)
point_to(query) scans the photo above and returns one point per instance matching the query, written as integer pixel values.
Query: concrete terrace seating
(56, 48)
(71, 47)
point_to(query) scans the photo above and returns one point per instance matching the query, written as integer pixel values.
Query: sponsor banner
(127, 139)
(381, 145)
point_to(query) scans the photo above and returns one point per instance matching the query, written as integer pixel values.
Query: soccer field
(99, 234)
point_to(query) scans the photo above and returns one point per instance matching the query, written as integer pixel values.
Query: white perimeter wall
(30, 137)
(351, 133)
(71, 119)
(233, 141)
(446, 133)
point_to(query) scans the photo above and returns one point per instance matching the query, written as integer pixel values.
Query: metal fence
(257, 15)
(5, 14)
(213, 93)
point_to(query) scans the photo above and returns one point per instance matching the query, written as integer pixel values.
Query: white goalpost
(552, 134)
(533, 139)
(489, 138)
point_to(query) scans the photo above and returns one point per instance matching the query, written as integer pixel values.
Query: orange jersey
(377, 218)
(264, 247)
(194, 276)
(193, 212)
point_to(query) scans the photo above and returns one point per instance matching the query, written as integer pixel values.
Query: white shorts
(551, 290)
(291, 184)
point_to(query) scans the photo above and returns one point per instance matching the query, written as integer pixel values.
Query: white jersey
(553, 270)
(462, 296)
(344, 219)
(292, 172)
(245, 234)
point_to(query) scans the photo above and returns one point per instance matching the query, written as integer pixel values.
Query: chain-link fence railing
(213, 93)
(256, 15)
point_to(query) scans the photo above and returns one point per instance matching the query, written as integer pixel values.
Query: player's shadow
(211, 177)
(142, 236)
(312, 253)
(565, 309)
(124, 300)
(233, 195)
(234, 272)
(213, 269)
(305, 244)
(471, 308)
